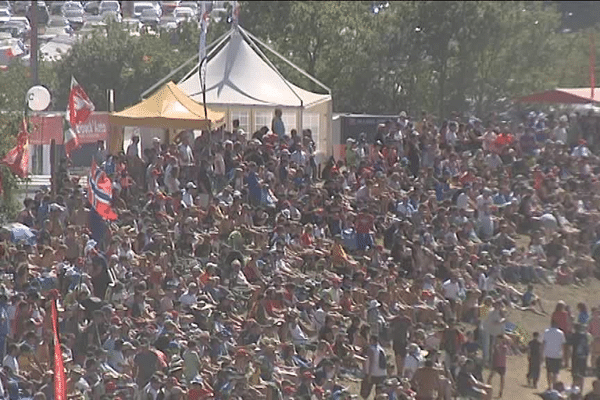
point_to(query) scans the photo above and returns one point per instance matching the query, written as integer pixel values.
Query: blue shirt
(253, 185)
(278, 127)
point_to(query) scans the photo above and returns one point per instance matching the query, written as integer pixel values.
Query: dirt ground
(517, 365)
(515, 386)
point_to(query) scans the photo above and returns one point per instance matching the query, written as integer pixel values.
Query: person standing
(580, 343)
(553, 342)
(534, 356)
(426, 381)
(277, 125)
(497, 321)
(100, 155)
(132, 149)
(375, 367)
(499, 361)
(401, 326)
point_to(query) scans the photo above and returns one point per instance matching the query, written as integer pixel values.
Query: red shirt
(561, 318)
(305, 239)
(500, 353)
(364, 223)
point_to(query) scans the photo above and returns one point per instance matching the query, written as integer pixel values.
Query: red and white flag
(100, 192)
(79, 109)
(60, 383)
(17, 159)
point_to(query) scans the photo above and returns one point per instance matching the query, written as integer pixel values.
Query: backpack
(382, 359)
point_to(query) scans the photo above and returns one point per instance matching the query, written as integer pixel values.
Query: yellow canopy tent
(168, 108)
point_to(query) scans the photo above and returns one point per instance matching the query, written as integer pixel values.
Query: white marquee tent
(243, 83)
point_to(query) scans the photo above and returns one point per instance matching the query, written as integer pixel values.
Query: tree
(113, 58)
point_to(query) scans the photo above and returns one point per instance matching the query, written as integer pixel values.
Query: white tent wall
(244, 84)
(322, 137)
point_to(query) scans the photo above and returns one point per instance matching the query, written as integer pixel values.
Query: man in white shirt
(186, 158)
(484, 199)
(299, 157)
(10, 360)
(298, 335)
(560, 132)
(190, 296)
(553, 342)
(188, 194)
(451, 289)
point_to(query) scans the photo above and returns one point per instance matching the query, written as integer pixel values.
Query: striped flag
(100, 192)
(78, 110)
(60, 383)
(202, 46)
(592, 65)
(17, 159)
(202, 54)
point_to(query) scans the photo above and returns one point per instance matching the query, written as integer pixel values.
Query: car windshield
(149, 12)
(183, 12)
(72, 13)
(4, 13)
(72, 6)
(141, 7)
(57, 22)
(110, 6)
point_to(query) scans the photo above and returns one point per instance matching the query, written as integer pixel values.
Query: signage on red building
(45, 127)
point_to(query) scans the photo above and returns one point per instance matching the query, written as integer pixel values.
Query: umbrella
(21, 233)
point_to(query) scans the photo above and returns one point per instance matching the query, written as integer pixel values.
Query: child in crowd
(534, 356)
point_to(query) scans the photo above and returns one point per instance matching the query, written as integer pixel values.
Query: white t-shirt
(11, 362)
(554, 339)
(462, 201)
(451, 290)
(560, 133)
(482, 202)
(187, 299)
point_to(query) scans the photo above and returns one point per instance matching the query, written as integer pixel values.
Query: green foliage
(113, 58)
(441, 56)
(10, 123)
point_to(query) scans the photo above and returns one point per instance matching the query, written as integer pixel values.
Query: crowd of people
(241, 268)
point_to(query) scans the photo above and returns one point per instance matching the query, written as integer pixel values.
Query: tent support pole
(176, 70)
(213, 48)
(270, 63)
(306, 74)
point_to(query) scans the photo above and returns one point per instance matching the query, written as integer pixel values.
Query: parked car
(184, 14)
(10, 49)
(140, 6)
(18, 27)
(43, 16)
(4, 15)
(19, 7)
(194, 6)
(72, 6)
(17, 19)
(6, 4)
(56, 26)
(168, 6)
(110, 10)
(15, 30)
(150, 17)
(55, 7)
(92, 7)
(74, 18)
(109, 6)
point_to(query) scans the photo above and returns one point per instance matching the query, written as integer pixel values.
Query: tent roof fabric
(238, 75)
(563, 96)
(168, 108)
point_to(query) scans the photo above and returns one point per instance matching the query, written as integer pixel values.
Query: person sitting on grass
(468, 386)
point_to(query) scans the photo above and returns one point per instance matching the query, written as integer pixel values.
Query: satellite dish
(38, 98)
